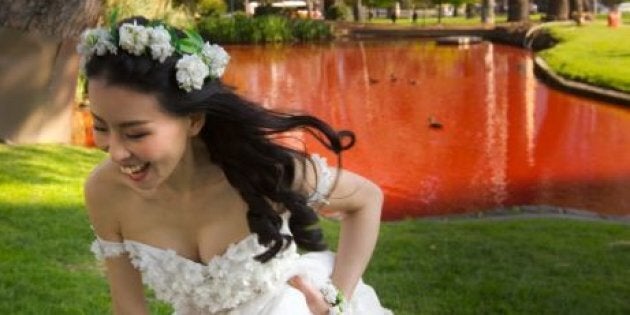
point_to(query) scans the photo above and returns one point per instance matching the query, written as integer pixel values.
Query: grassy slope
(594, 54)
(545, 266)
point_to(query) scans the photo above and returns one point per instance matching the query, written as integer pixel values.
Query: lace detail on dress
(325, 178)
(103, 249)
(226, 282)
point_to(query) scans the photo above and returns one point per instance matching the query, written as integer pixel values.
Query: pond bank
(528, 36)
(534, 211)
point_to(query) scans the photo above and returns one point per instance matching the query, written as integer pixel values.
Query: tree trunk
(359, 12)
(587, 5)
(518, 11)
(558, 10)
(487, 11)
(576, 7)
(60, 18)
(328, 4)
(40, 65)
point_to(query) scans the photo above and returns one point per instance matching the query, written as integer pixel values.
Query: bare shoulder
(345, 190)
(103, 194)
(305, 175)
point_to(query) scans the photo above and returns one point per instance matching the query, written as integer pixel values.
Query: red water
(506, 139)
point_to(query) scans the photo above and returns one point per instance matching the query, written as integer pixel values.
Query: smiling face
(145, 143)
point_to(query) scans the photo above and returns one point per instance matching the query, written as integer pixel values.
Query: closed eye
(99, 129)
(137, 136)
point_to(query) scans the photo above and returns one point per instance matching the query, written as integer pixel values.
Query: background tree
(487, 11)
(39, 64)
(518, 11)
(378, 3)
(63, 19)
(457, 4)
(558, 10)
(611, 3)
(440, 11)
(576, 10)
(358, 11)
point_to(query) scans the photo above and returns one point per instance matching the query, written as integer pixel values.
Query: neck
(195, 171)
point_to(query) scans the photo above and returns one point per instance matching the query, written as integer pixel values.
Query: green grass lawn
(592, 53)
(464, 266)
(446, 21)
(475, 21)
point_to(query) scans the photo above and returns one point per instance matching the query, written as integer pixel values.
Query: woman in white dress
(199, 202)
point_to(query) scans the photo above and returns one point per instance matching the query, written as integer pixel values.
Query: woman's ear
(197, 120)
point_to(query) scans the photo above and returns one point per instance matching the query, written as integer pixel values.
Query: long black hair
(239, 136)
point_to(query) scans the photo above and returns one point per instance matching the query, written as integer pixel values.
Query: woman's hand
(314, 298)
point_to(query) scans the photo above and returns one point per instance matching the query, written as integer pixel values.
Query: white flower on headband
(133, 38)
(199, 59)
(191, 72)
(160, 43)
(96, 41)
(216, 58)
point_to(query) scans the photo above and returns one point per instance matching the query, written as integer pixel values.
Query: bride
(199, 199)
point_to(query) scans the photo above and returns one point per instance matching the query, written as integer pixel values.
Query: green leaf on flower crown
(112, 18)
(174, 36)
(188, 46)
(194, 36)
(113, 31)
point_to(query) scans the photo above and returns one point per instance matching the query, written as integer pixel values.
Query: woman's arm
(125, 286)
(125, 282)
(358, 201)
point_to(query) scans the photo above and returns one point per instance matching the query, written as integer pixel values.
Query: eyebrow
(126, 124)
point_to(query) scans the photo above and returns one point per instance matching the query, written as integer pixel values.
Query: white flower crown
(199, 60)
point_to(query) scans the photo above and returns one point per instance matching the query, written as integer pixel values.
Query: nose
(117, 149)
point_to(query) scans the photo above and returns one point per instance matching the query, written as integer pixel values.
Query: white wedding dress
(235, 283)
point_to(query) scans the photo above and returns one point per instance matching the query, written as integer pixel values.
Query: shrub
(264, 29)
(274, 28)
(310, 30)
(211, 7)
(338, 12)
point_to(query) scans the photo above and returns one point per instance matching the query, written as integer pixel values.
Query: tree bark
(576, 6)
(558, 10)
(487, 11)
(40, 65)
(518, 11)
(61, 18)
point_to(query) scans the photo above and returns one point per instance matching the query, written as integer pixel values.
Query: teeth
(132, 168)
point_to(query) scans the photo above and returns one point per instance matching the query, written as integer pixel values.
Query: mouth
(135, 172)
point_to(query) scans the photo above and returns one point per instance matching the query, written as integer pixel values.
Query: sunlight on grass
(593, 53)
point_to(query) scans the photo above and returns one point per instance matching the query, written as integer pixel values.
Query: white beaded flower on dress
(226, 282)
